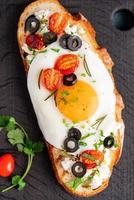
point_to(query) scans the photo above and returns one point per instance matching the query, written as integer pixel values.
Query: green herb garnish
(102, 133)
(82, 143)
(83, 74)
(44, 21)
(98, 122)
(97, 145)
(86, 136)
(55, 50)
(86, 67)
(75, 183)
(65, 123)
(52, 93)
(65, 93)
(18, 137)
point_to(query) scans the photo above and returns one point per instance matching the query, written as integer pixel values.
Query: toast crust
(90, 37)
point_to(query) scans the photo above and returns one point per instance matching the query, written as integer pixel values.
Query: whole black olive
(32, 24)
(71, 145)
(63, 40)
(74, 133)
(108, 142)
(74, 43)
(78, 169)
(49, 37)
(69, 79)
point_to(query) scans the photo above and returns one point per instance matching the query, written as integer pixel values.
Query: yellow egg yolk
(78, 102)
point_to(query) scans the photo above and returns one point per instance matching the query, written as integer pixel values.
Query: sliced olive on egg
(78, 169)
(71, 145)
(74, 133)
(32, 24)
(108, 142)
(69, 79)
(63, 40)
(49, 37)
(74, 43)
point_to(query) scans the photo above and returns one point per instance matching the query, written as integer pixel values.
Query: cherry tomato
(7, 165)
(90, 158)
(67, 63)
(35, 41)
(58, 22)
(50, 79)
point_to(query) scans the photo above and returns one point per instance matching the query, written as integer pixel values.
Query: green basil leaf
(38, 147)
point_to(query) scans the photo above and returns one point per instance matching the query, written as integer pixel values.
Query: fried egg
(90, 99)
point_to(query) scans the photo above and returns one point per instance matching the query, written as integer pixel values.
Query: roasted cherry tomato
(58, 22)
(50, 79)
(7, 164)
(35, 41)
(67, 63)
(91, 158)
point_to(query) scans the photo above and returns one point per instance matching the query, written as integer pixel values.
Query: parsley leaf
(38, 147)
(16, 136)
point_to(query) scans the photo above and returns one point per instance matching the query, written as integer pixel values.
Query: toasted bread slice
(89, 37)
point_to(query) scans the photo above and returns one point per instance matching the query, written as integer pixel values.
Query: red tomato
(7, 165)
(35, 41)
(58, 22)
(94, 157)
(50, 79)
(67, 63)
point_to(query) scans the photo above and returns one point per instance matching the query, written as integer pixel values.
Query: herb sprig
(86, 66)
(98, 122)
(17, 136)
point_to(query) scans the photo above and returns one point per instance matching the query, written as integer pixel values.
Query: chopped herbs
(50, 95)
(64, 100)
(44, 21)
(75, 183)
(64, 153)
(86, 67)
(65, 123)
(86, 136)
(98, 122)
(94, 81)
(44, 51)
(83, 74)
(102, 133)
(112, 134)
(116, 145)
(97, 145)
(65, 93)
(82, 143)
(55, 50)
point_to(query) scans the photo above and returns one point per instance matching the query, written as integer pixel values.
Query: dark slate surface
(14, 99)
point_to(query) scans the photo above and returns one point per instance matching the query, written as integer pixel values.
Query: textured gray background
(14, 99)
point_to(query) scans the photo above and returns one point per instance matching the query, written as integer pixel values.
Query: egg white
(49, 117)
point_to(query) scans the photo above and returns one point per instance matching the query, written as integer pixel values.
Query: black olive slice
(69, 79)
(108, 142)
(32, 24)
(71, 145)
(63, 40)
(74, 133)
(78, 169)
(74, 43)
(50, 37)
